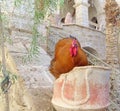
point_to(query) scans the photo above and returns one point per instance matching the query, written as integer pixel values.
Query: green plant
(42, 7)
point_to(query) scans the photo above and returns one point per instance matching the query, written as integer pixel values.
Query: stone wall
(112, 10)
(86, 36)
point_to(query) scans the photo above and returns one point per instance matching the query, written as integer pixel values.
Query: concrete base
(66, 109)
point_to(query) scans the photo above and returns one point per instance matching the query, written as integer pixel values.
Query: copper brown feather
(68, 54)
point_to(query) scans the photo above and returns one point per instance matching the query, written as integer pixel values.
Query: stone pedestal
(82, 12)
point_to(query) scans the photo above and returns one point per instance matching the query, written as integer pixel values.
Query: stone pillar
(81, 7)
(101, 21)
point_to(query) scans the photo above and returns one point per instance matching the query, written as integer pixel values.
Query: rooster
(68, 54)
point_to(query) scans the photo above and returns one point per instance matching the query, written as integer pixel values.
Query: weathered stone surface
(21, 23)
(34, 86)
(38, 88)
(17, 47)
(33, 90)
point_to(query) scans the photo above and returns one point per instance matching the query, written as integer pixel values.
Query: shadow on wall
(91, 51)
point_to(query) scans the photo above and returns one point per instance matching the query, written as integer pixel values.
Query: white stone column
(81, 7)
(101, 15)
(101, 21)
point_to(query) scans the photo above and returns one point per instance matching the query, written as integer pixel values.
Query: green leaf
(17, 3)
